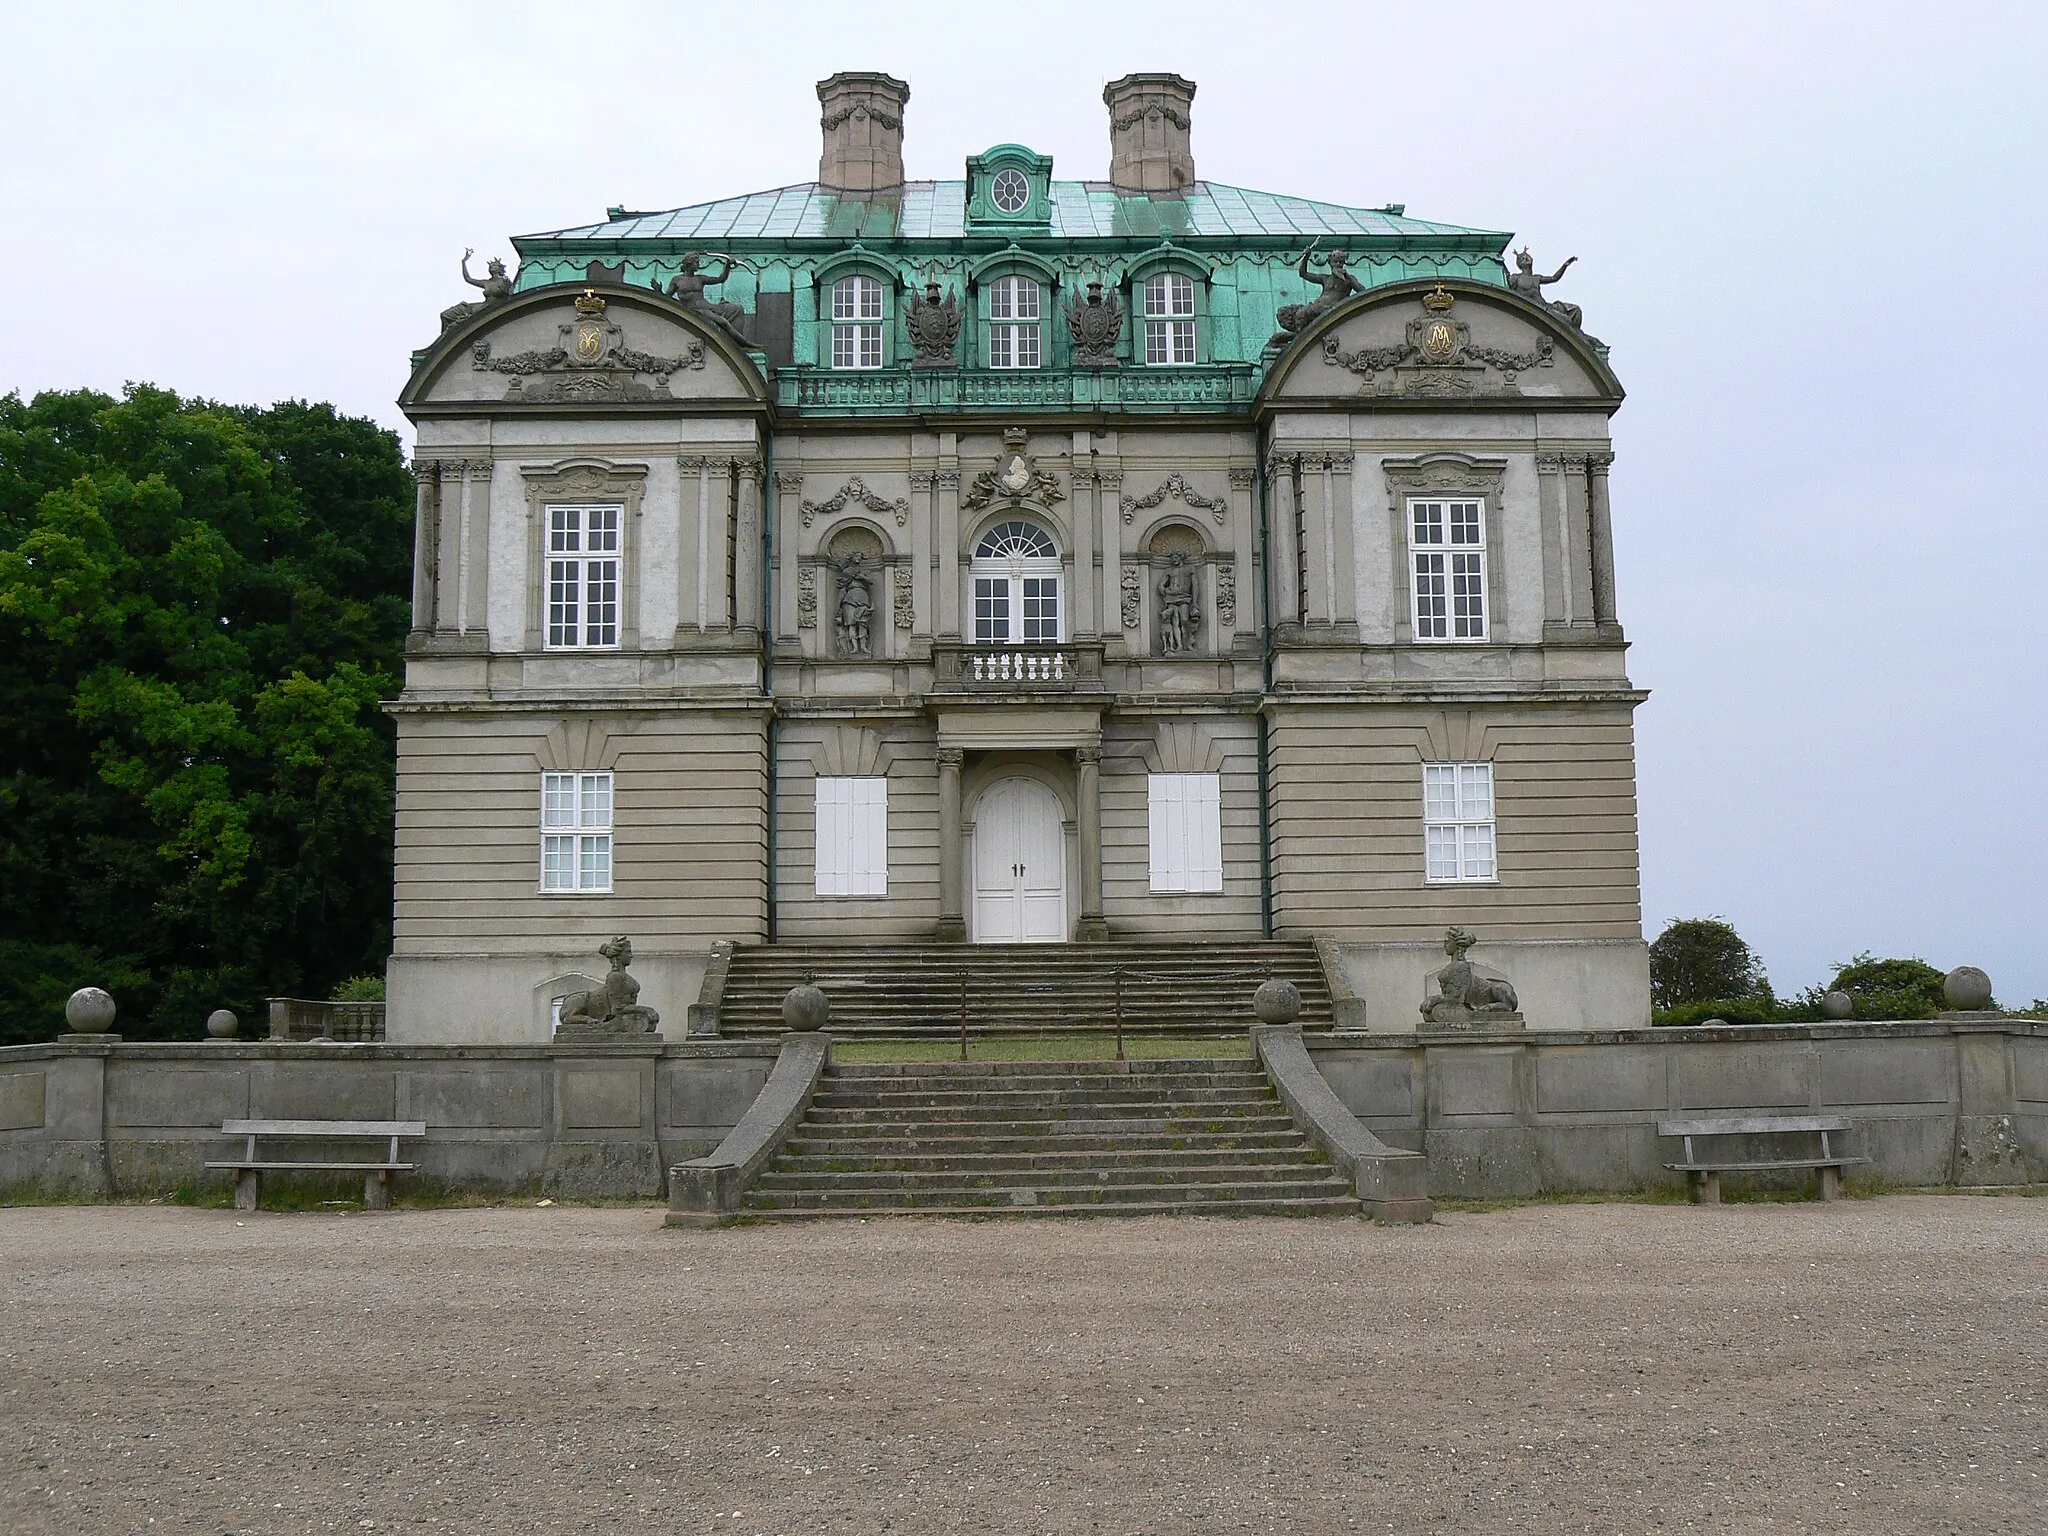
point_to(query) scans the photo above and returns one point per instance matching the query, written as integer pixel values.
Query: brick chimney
(863, 123)
(1148, 133)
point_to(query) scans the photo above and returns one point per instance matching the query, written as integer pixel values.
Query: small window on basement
(1457, 821)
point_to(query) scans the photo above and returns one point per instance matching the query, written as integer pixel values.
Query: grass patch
(1045, 1048)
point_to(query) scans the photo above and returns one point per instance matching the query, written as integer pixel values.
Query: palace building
(1009, 560)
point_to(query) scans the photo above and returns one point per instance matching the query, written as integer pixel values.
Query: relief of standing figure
(856, 606)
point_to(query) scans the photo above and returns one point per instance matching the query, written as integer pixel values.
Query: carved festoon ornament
(1095, 323)
(1181, 491)
(1334, 285)
(1179, 609)
(614, 1008)
(1460, 997)
(495, 284)
(934, 327)
(687, 289)
(855, 494)
(591, 360)
(1016, 476)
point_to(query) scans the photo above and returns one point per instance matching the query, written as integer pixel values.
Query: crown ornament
(590, 302)
(1439, 299)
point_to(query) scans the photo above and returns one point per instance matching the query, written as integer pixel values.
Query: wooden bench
(249, 1168)
(1703, 1174)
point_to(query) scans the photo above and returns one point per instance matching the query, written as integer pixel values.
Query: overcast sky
(1811, 234)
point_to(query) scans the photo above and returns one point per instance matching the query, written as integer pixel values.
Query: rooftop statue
(614, 1008)
(496, 286)
(1337, 285)
(687, 289)
(1463, 997)
(934, 326)
(1529, 283)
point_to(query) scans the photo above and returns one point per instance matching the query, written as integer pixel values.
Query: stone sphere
(90, 1011)
(1967, 988)
(221, 1023)
(1838, 1005)
(806, 1007)
(1713, 1024)
(1277, 1002)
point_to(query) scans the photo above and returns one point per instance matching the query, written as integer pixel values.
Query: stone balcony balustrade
(996, 670)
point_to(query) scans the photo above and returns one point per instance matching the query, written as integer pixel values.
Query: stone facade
(775, 534)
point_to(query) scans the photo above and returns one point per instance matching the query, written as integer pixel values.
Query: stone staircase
(1047, 1138)
(1021, 989)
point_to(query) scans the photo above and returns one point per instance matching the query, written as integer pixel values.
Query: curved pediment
(596, 345)
(1435, 340)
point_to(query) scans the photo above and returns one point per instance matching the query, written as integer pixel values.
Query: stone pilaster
(952, 925)
(946, 556)
(747, 617)
(789, 487)
(1600, 531)
(1088, 799)
(920, 552)
(426, 546)
(1283, 533)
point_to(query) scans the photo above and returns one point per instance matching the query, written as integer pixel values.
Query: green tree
(1702, 959)
(1891, 989)
(202, 609)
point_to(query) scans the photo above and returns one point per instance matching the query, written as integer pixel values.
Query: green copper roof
(936, 210)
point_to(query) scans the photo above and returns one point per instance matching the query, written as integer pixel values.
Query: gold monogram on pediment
(589, 343)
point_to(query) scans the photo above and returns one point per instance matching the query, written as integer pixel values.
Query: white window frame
(852, 841)
(1185, 811)
(1450, 602)
(995, 200)
(1168, 301)
(1459, 820)
(576, 817)
(582, 574)
(1010, 591)
(859, 310)
(1016, 310)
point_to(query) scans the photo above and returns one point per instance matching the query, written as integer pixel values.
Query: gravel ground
(1870, 1366)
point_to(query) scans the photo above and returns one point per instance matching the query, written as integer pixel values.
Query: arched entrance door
(1020, 865)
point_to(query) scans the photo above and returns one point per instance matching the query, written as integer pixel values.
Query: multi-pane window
(583, 576)
(857, 323)
(1014, 311)
(1187, 831)
(1016, 582)
(575, 831)
(1447, 540)
(853, 837)
(1457, 820)
(1169, 318)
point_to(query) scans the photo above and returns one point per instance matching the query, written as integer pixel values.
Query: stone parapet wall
(1568, 1111)
(594, 1119)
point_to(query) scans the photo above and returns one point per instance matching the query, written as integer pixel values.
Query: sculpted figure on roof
(1529, 283)
(496, 286)
(1336, 284)
(687, 289)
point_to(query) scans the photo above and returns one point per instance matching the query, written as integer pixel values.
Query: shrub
(360, 989)
(1757, 1008)
(1702, 959)
(1891, 989)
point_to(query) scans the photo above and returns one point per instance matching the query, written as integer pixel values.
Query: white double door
(1020, 865)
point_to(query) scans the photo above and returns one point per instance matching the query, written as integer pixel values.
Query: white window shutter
(1168, 796)
(832, 837)
(1205, 831)
(868, 826)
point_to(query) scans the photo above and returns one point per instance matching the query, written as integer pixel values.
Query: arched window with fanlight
(1015, 577)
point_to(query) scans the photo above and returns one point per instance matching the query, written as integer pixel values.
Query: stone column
(952, 927)
(1601, 528)
(1109, 501)
(920, 552)
(1558, 601)
(1343, 534)
(746, 556)
(1284, 579)
(690, 543)
(473, 545)
(946, 556)
(1087, 520)
(1088, 800)
(789, 490)
(426, 545)
(1244, 479)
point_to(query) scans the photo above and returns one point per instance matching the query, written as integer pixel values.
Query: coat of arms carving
(1017, 475)
(1095, 323)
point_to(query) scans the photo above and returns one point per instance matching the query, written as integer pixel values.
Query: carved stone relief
(855, 557)
(856, 494)
(1018, 476)
(807, 597)
(1094, 323)
(591, 361)
(1179, 489)
(934, 327)
(1226, 596)
(1133, 599)
(906, 612)
(1438, 358)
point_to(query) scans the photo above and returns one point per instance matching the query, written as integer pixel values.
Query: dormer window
(1015, 311)
(1010, 191)
(1169, 316)
(857, 323)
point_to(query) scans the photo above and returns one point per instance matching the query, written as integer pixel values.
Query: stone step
(1174, 1066)
(1149, 1175)
(1049, 1097)
(1126, 1114)
(922, 1160)
(1062, 1143)
(1263, 1205)
(871, 1197)
(842, 1123)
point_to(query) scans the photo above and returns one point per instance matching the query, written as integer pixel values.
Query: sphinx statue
(1461, 997)
(614, 1008)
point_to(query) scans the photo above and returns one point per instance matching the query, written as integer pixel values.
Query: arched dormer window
(859, 311)
(1166, 310)
(1016, 320)
(1015, 579)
